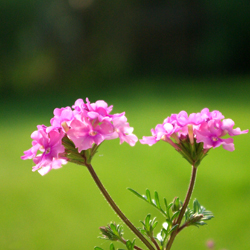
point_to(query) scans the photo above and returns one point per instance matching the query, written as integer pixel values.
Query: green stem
(117, 209)
(183, 209)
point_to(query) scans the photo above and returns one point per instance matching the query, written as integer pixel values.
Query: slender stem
(135, 247)
(183, 209)
(155, 243)
(117, 209)
(182, 227)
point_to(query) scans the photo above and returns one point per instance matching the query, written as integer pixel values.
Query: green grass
(64, 209)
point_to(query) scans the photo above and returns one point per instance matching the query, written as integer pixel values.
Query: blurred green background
(150, 59)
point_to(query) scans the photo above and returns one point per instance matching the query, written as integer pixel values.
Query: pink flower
(50, 144)
(204, 116)
(227, 125)
(84, 134)
(210, 134)
(98, 110)
(55, 164)
(161, 130)
(206, 127)
(150, 140)
(74, 135)
(79, 106)
(124, 131)
(60, 116)
(182, 118)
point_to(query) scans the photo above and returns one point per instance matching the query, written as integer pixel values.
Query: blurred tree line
(76, 41)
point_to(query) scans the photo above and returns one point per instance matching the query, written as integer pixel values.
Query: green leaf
(136, 193)
(112, 232)
(143, 231)
(166, 204)
(170, 205)
(148, 226)
(196, 205)
(113, 227)
(147, 219)
(111, 247)
(197, 215)
(130, 245)
(98, 248)
(143, 224)
(154, 223)
(148, 195)
(157, 202)
(165, 231)
(175, 215)
(173, 228)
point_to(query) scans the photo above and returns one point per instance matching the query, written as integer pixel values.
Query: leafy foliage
(148, 226)
(166, 231)
(130, 246)
(114, 232)
(154, 202)
(192, 217)
(197, 215)
(170, 211)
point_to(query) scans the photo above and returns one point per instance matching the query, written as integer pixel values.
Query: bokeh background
(150, 59)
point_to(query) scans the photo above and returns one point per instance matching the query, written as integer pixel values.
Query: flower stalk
(183, 209)
(116, 208)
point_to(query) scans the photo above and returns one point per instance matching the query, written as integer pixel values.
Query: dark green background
(148, 58)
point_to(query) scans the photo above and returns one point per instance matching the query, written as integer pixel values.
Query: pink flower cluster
(88, 124)
(205, 127)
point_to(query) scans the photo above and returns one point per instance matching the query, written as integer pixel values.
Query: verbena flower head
(195, 134)
(75, 135)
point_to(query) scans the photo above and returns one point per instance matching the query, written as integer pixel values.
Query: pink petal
(150, 140)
